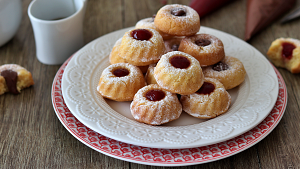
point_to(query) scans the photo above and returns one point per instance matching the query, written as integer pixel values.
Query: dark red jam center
(11, 78)
(206, 88)
(202, 42)
(287, 51)
(121, 72)
(155, 95)
(178, 12)
(180, 62)
(220, 66)
(141, 34)
(175, 47)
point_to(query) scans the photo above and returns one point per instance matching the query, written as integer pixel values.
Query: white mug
(57, 27)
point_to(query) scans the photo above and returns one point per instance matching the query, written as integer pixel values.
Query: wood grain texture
(31, 136)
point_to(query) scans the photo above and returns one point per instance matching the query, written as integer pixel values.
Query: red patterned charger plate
(165, 157)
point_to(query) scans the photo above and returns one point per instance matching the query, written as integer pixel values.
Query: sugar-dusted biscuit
(14, 78)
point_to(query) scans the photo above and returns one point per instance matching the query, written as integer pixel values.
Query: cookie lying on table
(14, 78)
(285, 53)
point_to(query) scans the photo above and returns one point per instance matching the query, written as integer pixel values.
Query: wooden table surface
(31, 135)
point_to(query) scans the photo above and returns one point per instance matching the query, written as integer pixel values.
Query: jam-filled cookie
(142, 47)
(210, 101)
(120, 82)
(14, 78)
(155, 106)
(178, 72)
(206, 48)
(177, 20)
(285, 53)
(230, 72)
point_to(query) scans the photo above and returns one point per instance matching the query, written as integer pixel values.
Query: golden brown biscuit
(210, 101)
(285, 53)
(114, 56)
(177, 20)
(120, 82)
(155, 106)
(230, 72)
(14, 78)
(178, 72)
(142, 47)
(206, 48)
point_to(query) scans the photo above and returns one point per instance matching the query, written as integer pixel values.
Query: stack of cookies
(164, 66)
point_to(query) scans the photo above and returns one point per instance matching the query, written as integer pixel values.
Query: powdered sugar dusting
(112, 79)
(13, 67)
(174, 79)
(177, 25)
(164, 62)
(142, 50)
(207, 105)
(146, 23)
(215, 45)
(230, 76)
(163, 110)
(191, 14)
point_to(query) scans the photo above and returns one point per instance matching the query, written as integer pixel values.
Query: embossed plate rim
(200, 155)
(78, 91)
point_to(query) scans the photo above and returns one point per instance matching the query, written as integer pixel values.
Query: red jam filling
(206, 88)
(155, 95)
(180, 62)
(220, 66)
(287, 51)
(121, 72)
(141, 34)
(178, 12)
(202, 42)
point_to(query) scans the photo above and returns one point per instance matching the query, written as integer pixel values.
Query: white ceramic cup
(57, 27)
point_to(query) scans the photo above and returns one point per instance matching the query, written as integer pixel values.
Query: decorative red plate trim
(165, 157)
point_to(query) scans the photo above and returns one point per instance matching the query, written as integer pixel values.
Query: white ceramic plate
(252, 100)
(165, 157)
